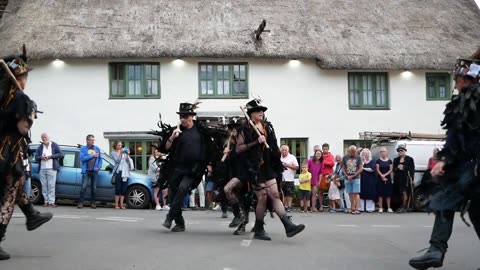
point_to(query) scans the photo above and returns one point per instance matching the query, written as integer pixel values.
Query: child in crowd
(305, 187)
(333, 192)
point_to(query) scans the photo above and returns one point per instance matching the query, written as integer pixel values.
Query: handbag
(323, 185)
(114, 177)
(342, 182)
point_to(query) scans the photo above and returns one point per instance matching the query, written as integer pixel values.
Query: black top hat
(255, 105)
(401, 147)
(234, 124)
(187, 108)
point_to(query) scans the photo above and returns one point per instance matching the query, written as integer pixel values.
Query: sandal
(117, 207)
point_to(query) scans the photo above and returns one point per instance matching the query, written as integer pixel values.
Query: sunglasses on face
(184, 116)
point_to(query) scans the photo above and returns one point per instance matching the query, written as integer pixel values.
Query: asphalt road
(106, 238)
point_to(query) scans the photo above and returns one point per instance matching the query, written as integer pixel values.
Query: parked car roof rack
(388, 136)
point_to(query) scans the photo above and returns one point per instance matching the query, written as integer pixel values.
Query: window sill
(369, 109)
(147, 97)
(216, 97)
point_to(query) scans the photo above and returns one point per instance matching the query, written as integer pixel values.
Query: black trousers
(181, 182)
(442, 228)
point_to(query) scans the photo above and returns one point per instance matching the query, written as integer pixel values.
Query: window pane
(220, 72)
(236, 72)
(131, 72)
(148, 72)
(381, 98)
(203, 72)
(155, 72)
(367, 90)
(209, 72)
(154, 87)
(442, 87)
(242, 72)
(239, 88)
(138, 87)
(431, 91)
(226, 87)
(355, 92)
(203, 87)
(210, 87)
(381, 91)
(220, 87)
(138, 163)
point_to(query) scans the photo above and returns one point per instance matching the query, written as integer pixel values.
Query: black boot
(168, 222)
(432, 258)
(239, 216)
(35, 219)
(179, 225)
(3, 255)
(290, 228)
(240, 230)
(260, 232)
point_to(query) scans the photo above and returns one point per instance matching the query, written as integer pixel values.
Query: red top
(328, 164)
(432, 163)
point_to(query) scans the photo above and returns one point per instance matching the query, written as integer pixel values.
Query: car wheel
(36, 193)
(138, 197)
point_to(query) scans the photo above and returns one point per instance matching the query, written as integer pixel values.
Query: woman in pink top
(315, 167)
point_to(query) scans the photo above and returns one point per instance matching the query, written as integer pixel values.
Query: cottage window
(368, 90)
(438, 86)
(134, 80)
(298, 148)
(140, 151)
(223, 80)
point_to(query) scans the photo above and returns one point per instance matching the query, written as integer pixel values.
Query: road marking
(248, 241)
(347, 225)
(194, 222)
(127, 218)
(70, 216)
(17, 216)
(386, 226)
(117, 219)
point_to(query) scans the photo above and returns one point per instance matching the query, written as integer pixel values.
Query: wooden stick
(228, 147)
(253, 125)
(9, 72)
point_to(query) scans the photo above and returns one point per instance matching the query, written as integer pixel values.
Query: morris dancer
(257, 145)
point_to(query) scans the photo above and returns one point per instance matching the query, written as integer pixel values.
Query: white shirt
(47, 151)
(289, 174)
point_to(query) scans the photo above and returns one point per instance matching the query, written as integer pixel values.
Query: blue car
(69, 181)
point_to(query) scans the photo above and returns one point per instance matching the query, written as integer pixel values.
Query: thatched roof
(340, 34)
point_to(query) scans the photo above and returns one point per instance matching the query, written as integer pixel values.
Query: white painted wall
(303, 101)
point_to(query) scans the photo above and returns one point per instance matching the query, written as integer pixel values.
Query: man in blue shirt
(91, 158)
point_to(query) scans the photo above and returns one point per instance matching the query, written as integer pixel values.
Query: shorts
(304, 194)
(288, 188)
(352, 186)
(210, 186)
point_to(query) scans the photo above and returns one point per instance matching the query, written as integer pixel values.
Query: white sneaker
(390, 210)
(158, 207)
(380, 210)
(217, 207)
(166, 208)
